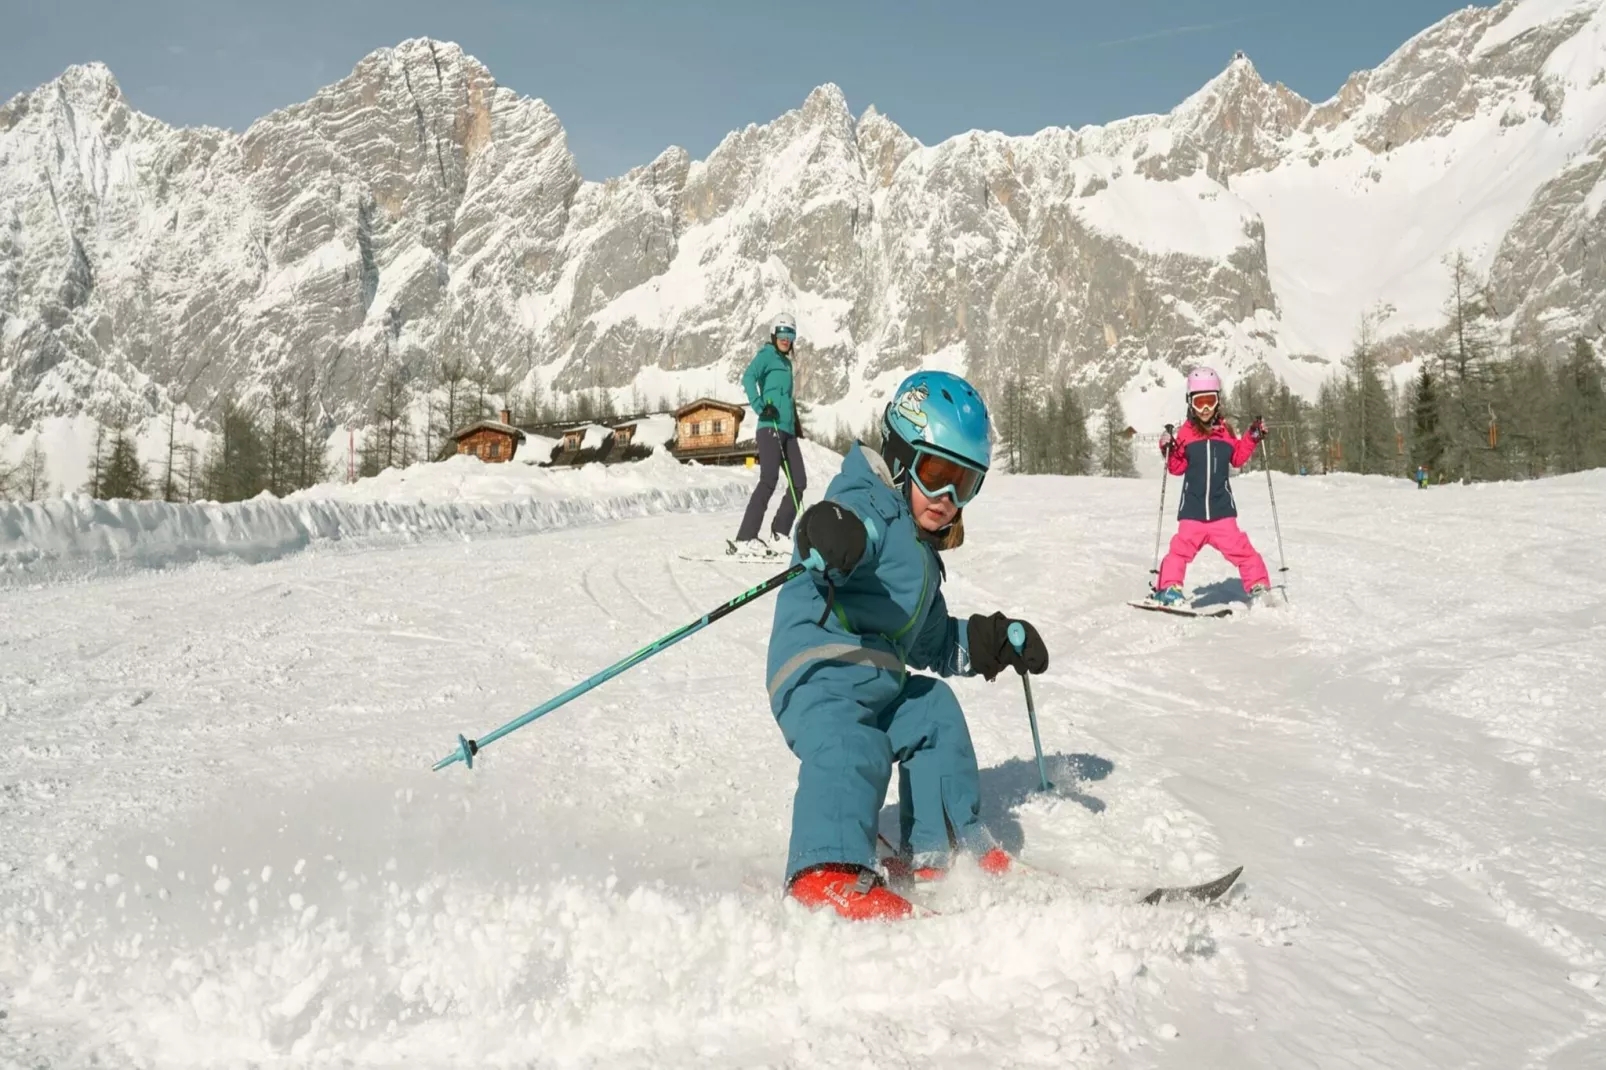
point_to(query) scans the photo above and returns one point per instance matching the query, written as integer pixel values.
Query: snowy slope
(224, 847)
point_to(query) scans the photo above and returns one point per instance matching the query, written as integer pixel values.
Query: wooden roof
(489, 425)
(710, 403)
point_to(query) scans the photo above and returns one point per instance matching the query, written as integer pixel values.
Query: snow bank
(457, 497)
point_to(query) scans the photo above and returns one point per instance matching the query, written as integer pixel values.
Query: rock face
(416, 211)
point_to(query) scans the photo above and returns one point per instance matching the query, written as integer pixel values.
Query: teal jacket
(888, 614)
(768, 381)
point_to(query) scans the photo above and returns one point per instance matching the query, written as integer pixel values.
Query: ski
(1208, 892)
(737, 559)
(1181, 610)
(1205, 892)
(735, 555)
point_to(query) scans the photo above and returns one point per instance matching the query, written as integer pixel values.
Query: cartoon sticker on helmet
(911, 403)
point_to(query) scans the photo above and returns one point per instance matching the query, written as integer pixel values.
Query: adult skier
(846, 635)
(1203, 452)
(768, 383)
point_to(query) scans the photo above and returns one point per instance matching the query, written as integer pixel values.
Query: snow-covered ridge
(456, 499)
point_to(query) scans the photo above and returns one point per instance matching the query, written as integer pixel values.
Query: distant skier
(844, 638)
(1203, 452)
(1421, 478)
(768, 383)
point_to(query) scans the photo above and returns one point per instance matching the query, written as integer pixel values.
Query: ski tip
(1207, 892)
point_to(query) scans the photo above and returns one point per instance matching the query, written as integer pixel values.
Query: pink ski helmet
(1203, 381)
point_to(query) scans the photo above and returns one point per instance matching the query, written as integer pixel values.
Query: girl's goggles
(1202, 401)
(937, 475)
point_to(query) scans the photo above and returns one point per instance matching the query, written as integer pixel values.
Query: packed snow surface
(224, 847)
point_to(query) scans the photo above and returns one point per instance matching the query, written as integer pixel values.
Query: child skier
(1203, 452)
(871, 608)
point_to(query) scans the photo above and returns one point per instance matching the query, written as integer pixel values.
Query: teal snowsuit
(845, 702)
(768, 381)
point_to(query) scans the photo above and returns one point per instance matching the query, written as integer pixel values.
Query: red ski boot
(996, 862)
(855, 893)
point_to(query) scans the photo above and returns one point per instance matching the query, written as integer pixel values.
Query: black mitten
(830, 537)
(991, 652)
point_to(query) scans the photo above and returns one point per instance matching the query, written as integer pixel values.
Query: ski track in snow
(224, 846)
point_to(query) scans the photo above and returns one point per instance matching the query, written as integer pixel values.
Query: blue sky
(630, 77)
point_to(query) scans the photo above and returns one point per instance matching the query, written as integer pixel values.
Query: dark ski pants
(771, 444)
(847, 736)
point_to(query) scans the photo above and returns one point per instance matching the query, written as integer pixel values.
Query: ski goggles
(787, 333)
(1206, 400)
(937, 475)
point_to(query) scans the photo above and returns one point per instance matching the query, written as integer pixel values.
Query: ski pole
(1017, 639)
(468, 748)
(791, 488)
(1159, 524)
(1276, 525)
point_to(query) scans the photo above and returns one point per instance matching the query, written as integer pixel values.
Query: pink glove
(1168, 443)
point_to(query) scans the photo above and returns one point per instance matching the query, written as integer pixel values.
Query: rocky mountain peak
(1236, 121)
(883, 145)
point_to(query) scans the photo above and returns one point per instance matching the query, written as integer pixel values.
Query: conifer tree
(31, 479)
(1425, 411)
(1116, 461)
(236, 469)
(123, 475)
(1579, 411)
(1368, 422)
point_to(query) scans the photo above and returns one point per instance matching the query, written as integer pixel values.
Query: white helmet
(784, 321)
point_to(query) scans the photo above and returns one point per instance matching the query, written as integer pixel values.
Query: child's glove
(1257, 430)
(769, 412)
(991, 652)
(830, 537)
(1168, 443)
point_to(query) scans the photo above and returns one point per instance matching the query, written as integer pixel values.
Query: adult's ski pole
(791, 488)
(1017, 639)
(468, 748)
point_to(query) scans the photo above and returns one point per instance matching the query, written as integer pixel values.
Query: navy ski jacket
(1204, 461)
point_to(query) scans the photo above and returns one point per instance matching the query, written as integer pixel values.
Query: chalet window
(719, 427)
(496, 450)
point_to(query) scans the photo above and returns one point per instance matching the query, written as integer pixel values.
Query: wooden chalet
(492, 441)
(708, 432)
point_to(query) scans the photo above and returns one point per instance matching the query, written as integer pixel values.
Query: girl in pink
(1203, 452)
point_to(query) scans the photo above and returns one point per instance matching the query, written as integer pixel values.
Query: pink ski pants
(1228, 539)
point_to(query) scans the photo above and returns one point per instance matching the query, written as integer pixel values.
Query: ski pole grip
(1017, 635)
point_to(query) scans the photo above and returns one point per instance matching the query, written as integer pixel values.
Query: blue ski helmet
(937, 413)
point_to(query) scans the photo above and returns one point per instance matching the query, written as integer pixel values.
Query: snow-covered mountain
(416, 208)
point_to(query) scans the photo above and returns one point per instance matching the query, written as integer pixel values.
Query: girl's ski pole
(468, 748)
(1159, 524)
(1277, 526)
